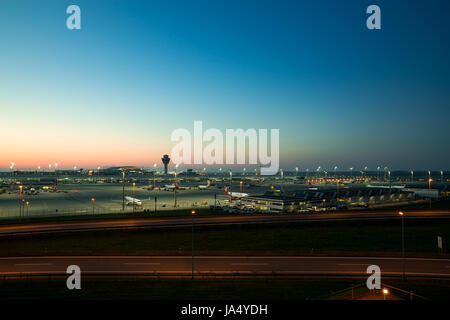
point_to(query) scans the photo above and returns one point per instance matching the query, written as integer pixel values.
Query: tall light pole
(384, 174)
(429, 189)
(175, 188)
(442, 176)
(412, 175)
(192, 233)
(335, 172)
(337, 192)
(307, 171)
(134, 207)
(20, 200)
(12, 168)
(389, 175)
(28, 204)
(231, 188)
(296, 172)
(365, 172)
(351, 173)
(154, 177)
(93, 206)
(378, 173)
(403, 245)
(123, 190)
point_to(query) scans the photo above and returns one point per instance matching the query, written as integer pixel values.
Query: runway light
(400, 213)
(385, 291)
(193, 211)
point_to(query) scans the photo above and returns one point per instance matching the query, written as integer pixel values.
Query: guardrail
(410, 295)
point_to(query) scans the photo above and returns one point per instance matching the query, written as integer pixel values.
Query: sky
(113, 92)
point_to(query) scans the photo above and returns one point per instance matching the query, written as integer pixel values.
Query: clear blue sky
(339, 93)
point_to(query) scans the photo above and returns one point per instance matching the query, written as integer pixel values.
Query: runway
(118, 224)
(223, 266)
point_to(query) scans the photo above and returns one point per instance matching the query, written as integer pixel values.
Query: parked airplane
(235, 195)
(129, 201)
(204, 186)
(385, 187)
(170, 187)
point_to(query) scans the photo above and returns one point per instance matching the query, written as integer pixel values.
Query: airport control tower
(165, 160)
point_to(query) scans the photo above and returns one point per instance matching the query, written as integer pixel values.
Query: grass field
(106, 216)
(441, 205)
(208, 289)
(350, 238)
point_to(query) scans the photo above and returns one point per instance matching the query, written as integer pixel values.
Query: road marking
(33, 264)
(143, 263)
(249, 264)
(352, 264)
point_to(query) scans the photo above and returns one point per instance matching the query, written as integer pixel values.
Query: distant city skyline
(111, 93)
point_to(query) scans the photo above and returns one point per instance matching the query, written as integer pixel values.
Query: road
(223, 265)
(215, 220)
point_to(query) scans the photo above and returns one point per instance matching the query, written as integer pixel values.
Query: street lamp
(134, 208)
(351, 173)
(12, 168)
(154, 176)
(175, 188)
(296, 171)
(335, 174)
(93, 205)
(192, 233)
(28, 204)
(442, 176)
(412, 175)
(385, 293)
(403, 244)
(231, 187)
(429, 189)
(123, 190)
(389, 175)
(20, 200)
(378, 173)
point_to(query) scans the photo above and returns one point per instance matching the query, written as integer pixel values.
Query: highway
(223, 265)
(111, 224)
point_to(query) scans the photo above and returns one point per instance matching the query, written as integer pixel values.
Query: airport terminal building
(321, 200)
